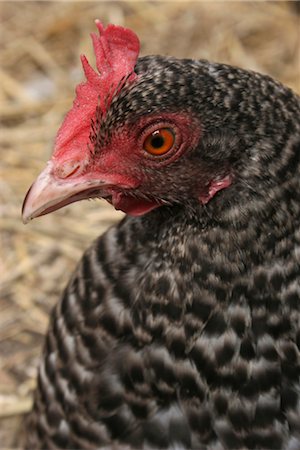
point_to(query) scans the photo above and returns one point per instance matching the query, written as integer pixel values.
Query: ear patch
(214, 187)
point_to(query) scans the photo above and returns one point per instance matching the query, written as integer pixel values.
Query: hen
(180, 327)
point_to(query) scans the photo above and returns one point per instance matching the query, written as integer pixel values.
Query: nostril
(67, 169)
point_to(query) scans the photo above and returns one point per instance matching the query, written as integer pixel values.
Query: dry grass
(40, 47)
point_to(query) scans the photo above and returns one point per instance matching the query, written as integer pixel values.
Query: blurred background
(39, 50)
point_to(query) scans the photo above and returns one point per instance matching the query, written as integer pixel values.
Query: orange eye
(160, 141)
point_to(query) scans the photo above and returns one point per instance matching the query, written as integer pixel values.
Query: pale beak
(49, 193)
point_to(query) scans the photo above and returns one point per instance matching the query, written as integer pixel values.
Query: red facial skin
(118, 171)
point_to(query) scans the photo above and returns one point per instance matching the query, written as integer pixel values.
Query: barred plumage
(181, 328)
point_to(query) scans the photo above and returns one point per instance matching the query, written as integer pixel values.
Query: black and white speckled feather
(181, 329)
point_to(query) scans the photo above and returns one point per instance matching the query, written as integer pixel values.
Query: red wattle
(132, 206)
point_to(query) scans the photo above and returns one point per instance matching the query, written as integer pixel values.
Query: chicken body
(181, 328)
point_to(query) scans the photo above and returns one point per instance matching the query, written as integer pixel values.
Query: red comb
(116, 49)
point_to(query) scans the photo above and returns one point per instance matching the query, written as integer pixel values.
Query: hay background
(40, 47)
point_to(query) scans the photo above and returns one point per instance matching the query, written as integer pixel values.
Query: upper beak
(49, 193)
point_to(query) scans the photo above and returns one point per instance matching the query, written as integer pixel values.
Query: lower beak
(49, 193)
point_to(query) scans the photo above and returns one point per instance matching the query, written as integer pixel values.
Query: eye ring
(159, 141)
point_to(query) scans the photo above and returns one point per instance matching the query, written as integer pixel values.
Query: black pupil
(157, 141)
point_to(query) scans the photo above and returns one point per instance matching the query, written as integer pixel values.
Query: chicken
(180, 327)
